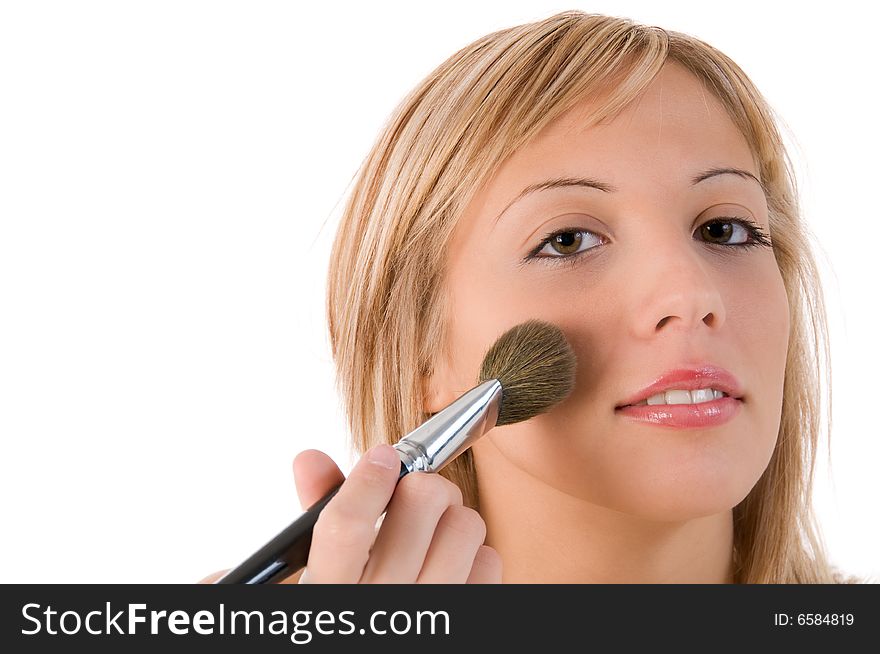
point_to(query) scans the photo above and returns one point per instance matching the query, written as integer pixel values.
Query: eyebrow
(588, 182)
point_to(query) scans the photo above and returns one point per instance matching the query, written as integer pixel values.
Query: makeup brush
(528, 370)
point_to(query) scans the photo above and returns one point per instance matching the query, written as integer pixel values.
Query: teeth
(676, 396)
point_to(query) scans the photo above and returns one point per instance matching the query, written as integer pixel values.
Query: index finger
(346, 528)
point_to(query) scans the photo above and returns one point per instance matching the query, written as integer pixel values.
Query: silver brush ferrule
(449, 432)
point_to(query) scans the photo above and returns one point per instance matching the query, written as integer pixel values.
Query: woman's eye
(566, 243)
(722, 231)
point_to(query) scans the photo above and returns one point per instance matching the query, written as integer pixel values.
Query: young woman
(628, 184)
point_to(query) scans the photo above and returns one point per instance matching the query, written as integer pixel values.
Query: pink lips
(687, 416)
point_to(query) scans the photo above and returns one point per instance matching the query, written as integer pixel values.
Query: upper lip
(688, 379)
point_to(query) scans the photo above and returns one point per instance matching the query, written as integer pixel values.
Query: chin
(677, 495)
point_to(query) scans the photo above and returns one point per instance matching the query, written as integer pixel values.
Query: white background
(171, 175)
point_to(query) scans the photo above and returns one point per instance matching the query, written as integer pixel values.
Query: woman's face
(639, 288)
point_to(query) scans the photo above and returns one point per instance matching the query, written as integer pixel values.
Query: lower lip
(685, 416)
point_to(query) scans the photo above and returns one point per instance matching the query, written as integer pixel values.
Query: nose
(676, 289)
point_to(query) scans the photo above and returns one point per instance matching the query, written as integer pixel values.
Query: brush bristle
(536, 367)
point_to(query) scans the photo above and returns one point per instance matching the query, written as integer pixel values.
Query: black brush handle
(288, 552)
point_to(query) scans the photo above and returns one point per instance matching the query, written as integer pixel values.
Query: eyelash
(758, 238)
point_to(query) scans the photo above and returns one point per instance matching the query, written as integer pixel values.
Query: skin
(582, 494)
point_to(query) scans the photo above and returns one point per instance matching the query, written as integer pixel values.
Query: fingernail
(385, 456)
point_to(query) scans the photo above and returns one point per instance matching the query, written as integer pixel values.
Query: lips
(688, 379)
(704, 415)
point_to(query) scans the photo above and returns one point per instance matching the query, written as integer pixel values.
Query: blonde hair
(385, 295)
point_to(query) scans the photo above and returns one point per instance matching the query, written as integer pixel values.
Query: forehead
(675, 128)
(674, 110)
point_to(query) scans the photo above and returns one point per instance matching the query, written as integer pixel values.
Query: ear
(438, 388)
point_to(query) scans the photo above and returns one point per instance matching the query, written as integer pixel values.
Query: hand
(426, 535)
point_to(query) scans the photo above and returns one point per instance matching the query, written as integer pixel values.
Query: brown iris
(567, 242)
(717, 230)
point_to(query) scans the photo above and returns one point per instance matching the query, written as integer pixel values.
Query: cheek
(484, 301)
(759, 322)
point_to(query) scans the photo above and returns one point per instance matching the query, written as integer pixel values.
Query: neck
(546, 536)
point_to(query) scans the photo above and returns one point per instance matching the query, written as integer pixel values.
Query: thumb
(315, 473)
